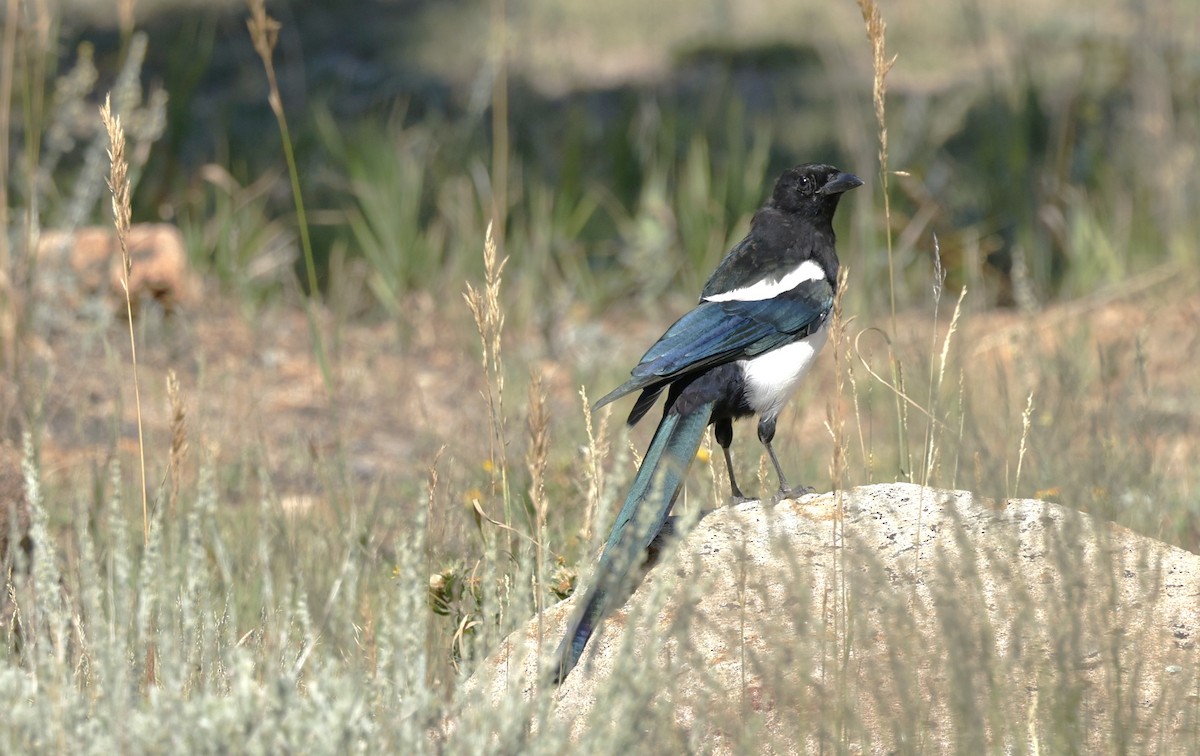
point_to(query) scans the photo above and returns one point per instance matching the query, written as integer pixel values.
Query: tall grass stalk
(881, 64)
(264, 33)
(939, 282)
(489, 321)
(597, 451)
(179, 442)
(937, 371)
(118, 184)
(835, 420)
(536, 459)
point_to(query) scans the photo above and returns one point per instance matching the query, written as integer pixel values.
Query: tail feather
(656, 485)
(643, 404)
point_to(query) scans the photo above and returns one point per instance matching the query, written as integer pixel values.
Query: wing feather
(715, 333)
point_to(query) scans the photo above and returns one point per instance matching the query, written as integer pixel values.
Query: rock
(160, 265)
(891, 618)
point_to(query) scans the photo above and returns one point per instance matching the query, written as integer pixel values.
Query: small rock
(159, 259)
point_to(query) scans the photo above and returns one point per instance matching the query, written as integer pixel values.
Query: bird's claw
(795, 492)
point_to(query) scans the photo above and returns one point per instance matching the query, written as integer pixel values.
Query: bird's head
(812, 189)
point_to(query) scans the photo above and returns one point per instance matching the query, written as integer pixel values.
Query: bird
(758, 327)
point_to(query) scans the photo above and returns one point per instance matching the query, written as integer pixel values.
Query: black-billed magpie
(742, 351)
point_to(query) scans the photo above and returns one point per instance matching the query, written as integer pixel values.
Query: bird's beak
(843, 182)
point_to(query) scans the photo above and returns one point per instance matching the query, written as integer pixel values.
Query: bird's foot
(794, 492)
(739, 498)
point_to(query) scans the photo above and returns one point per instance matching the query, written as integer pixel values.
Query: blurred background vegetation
(1057, 136)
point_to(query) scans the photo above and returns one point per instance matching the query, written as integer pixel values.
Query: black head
(812, 190)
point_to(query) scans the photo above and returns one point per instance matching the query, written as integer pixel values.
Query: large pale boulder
(888, 618)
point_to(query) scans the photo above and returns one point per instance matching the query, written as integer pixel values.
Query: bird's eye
(806, 185)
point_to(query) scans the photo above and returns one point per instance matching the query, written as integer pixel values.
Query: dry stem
(881, 65)
(264, 33)
(179, 443)
(118, 185)
(538, 455)
(489, 321)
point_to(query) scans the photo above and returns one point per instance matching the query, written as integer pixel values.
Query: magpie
(741, 351)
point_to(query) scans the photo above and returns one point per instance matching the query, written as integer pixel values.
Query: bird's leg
(766, 433)
(723, 430)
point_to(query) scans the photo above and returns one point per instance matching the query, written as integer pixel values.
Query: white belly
(771, 378)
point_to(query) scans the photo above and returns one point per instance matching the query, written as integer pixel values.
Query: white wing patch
(808, 270)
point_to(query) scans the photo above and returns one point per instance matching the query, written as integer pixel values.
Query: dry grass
(177, 455)
(537, 457)
(264, 33)
(488, 313)
(881, 65)
(597, 452)
(118, 184)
